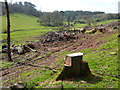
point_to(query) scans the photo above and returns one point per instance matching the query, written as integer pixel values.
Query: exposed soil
(44, 54)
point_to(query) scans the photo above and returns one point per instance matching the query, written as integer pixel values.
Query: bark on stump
(74, 67)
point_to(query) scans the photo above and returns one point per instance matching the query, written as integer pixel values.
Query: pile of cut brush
(19, 49)
(55, 36)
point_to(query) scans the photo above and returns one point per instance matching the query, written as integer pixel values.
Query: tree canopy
(19, 7)
(51, 19)
(56, 18)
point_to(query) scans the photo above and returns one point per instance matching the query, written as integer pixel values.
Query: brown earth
(48, 53)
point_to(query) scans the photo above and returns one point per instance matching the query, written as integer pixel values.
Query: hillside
(23, 27)
(39, 69)
(20, 21)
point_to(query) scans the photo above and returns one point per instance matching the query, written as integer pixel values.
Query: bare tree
(8, 32)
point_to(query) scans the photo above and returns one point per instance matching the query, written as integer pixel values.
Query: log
(74, 67)
(31, 49)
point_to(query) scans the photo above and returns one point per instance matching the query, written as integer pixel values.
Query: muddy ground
(48, 53)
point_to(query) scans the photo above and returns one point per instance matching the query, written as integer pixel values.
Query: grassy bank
(23, 28)
(103, 64)
(102, 61)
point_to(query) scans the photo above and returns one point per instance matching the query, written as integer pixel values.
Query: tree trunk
(74, 67)
(8, 32)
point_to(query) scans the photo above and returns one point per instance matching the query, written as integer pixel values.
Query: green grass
(107, 21)
(23, 28)
(98, 23)
(102, 64)
(21, 21)
(5, 64)
(79, 25)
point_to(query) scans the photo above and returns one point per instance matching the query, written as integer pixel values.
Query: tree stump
(74, 67)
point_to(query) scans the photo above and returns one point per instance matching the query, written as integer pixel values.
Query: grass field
(107, 21)
(23, 27)
(97, 23)
(102, 63)
(21, 21)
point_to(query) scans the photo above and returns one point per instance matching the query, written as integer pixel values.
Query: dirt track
(42, 58)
